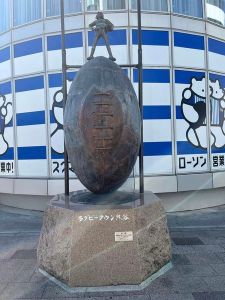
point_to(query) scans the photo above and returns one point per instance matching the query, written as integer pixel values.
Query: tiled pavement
(198, 256)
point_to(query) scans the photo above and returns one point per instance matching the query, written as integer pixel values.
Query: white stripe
(74, 57)
(29, 101)
(157, 130)
(120, 52)
(5, 69)
(156, 165)
(29, 64)
(216, 61)
(32, 167)
(152, 55)
(189, 57)
(155, 93)
(179, 88)
(32, 135)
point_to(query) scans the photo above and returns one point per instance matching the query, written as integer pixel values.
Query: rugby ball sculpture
(102, 125)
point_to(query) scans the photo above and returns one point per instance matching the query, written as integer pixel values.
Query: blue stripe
(185, 77)
(9, 155)
(157, 149)
(179, 114)
(5, 88)
(28, 48)
(28, 84)
(55, 80)
(10, 124)
(187, 148)
(159, 112)
(55, 155)
(151, 37)
(221, 78)
(25, 153)
(52, 118)
(72, 40)
(31, 118)
(191, 41)
(4, 54)
(153, 76)
(116, 37)
(215, 150)
(216, 46)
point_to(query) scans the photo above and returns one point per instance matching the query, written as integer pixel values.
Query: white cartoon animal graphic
(57, 135)
(194, 111)
(217, 106)
(193, 107)
(5, 118)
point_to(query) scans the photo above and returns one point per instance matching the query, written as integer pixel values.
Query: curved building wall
(184, 82)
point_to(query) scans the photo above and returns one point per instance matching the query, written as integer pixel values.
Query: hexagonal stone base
(117, 239)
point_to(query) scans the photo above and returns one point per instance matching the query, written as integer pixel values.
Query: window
(152, 5)
(188, 7)
(105, 4)
(70, 6)
(25, 11)
(4, 21)
(215, 10)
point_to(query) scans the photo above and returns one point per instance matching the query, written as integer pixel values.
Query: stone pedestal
(104, 244)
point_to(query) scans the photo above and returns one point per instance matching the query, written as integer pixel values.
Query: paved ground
(198, 258)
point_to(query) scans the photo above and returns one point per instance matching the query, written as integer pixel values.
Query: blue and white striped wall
(30, 75)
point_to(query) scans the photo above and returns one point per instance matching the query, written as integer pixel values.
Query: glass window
(70, 6)
(25, 11)
(215, 10)
(4, 21)
(188, 7)
(106, 4)
(152, 5)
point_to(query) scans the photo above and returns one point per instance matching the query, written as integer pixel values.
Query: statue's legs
(97, 36)
(105, 37)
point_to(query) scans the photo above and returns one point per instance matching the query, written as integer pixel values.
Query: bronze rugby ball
(102, 126)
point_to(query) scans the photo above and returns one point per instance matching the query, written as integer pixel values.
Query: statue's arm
(110, 25)
(92, 24)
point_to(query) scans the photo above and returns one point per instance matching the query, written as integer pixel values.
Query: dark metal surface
(140, 96)
(102, 126)
(101, 26)
(64, 89)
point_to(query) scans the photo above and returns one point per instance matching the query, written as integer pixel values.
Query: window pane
(114, 4)
(152, 5)
(106, 4)
(215, 10)
(4, 21)
(25, 11)
(70, 6)
(188, 7)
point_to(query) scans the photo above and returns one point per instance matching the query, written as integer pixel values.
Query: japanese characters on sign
(103, 217)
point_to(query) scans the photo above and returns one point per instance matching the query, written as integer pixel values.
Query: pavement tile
(22, 291)
(54, 291)
(38, 277)
(172, 296)
(196, 270)
(135, 297)
(180, 259)
(215, 283)
(25, 254)
(182, 249)
(187, 241)
(206, 258)
(219, 269)
(209, 296)
(208, 248)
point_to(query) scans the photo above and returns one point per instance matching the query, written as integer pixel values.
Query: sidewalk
(198, 257)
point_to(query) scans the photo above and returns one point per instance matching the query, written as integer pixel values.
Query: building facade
(183, 83)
